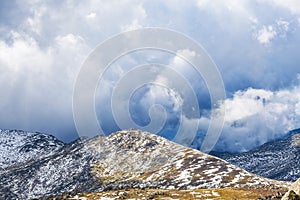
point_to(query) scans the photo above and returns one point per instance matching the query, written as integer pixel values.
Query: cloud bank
(253, 43)
(256, 116)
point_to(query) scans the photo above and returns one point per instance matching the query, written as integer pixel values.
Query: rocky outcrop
(294, 192)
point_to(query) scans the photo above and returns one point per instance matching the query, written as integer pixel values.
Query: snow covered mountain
(278, 159)
(123, 160)
(19, 147)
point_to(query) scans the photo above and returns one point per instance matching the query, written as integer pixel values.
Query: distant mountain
(124, 160)
(279, 159)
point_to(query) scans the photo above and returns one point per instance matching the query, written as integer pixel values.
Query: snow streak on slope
(279, 159)
(18, 147)
(125, 159)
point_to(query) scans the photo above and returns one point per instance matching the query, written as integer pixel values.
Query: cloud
(41, 56)
(266, 34)
(256, 116)
(184, 53)
(37, 83)
(291, 5)
(253, 43)
(92, 15)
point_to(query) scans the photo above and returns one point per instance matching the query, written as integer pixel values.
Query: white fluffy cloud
(266, 34)
(256, 116)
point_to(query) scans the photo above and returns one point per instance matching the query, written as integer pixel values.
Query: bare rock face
(294, 192)
(296, 140)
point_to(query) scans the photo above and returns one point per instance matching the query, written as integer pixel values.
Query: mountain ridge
(278, 159)
(125, 160)
(18, 147)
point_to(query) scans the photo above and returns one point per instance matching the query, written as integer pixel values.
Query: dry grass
(217, 194)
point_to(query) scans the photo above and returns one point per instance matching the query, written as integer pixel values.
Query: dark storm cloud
(253, 43)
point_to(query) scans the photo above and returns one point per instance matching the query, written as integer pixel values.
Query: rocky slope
(124, 160)
(278, 159)
(294, 192)
(19, 147)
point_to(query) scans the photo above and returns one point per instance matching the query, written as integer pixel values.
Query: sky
(253, 43)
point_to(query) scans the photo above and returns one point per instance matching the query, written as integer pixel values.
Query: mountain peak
(135, 134)
(136, 139)
(125, 159)
(18, 147)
